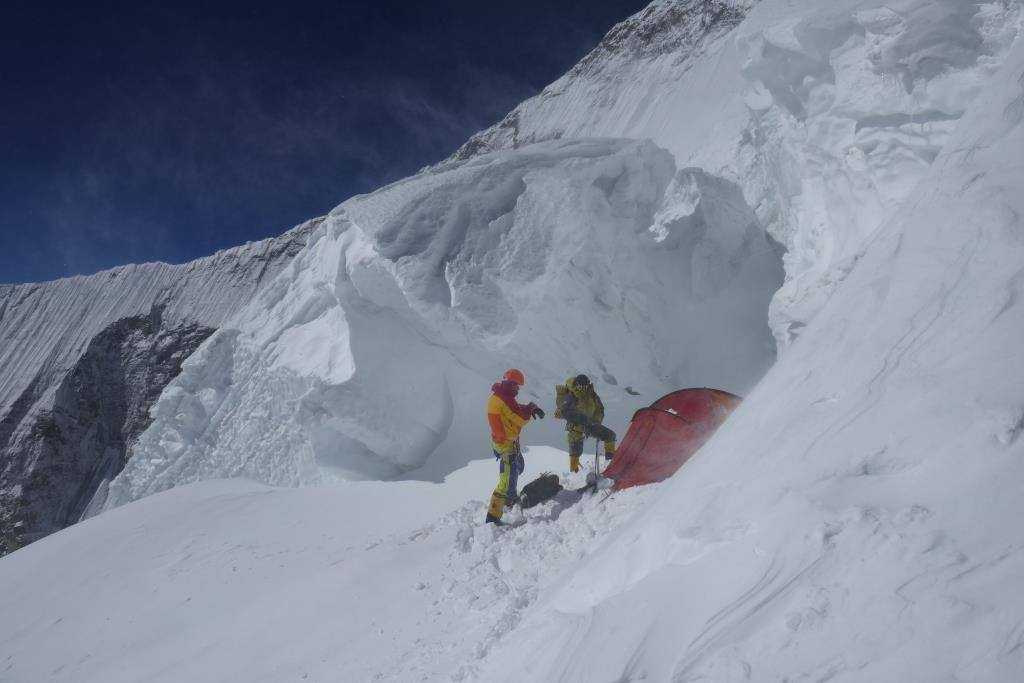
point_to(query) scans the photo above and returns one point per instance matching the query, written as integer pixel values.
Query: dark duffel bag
(544, 487)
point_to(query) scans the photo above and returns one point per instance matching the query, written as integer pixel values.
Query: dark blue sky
(133, 133)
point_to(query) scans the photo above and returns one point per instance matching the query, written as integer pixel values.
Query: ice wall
(809, 121)
(372, 354)
(826, 114)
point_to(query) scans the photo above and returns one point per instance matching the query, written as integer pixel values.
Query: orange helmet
(515, 375)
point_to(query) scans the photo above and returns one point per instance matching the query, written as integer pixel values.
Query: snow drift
(370, 354)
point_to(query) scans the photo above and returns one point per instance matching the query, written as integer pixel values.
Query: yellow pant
(510, 465)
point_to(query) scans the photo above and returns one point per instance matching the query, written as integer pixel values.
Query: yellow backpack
(561, 393)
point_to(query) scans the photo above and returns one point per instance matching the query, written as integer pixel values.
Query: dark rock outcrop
(83, 359)
(100, 407)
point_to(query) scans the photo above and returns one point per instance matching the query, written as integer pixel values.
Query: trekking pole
(597, 462)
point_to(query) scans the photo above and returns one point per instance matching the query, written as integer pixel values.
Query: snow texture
(856, 519)
(230, 580)
(370, 355)
(825, 114)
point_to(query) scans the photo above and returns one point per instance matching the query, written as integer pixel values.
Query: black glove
(538, 414)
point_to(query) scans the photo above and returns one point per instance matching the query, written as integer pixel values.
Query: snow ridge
(595, 97)
(826, 115)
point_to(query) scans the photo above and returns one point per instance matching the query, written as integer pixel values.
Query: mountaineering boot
(491, 519)
(574, 463)
(495, 509)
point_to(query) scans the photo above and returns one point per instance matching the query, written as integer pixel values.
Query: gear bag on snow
(545, 487)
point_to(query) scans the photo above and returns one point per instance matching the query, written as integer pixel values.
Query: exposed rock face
(679, 26)
(100, 407)
(83, 359)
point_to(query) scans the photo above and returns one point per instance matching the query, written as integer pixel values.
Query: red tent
(664, 436)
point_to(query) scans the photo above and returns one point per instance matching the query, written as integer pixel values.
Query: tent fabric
(663, 436)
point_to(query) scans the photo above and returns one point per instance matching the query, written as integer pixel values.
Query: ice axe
(594, 478)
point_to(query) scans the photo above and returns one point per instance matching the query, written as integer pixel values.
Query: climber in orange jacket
(507, 418)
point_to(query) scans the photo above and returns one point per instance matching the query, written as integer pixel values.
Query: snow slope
(857, 519)
(371, 354)
(234, 581)
(83, 358)
(854, 520)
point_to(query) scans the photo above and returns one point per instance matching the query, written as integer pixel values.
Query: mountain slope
(826, 115)
(231, 580)
(82, 359)
(642, 267)
(856, 519)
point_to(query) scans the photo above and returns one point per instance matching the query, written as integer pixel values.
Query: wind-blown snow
(371, 354)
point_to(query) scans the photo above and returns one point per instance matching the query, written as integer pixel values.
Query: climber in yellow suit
(507, 417)
(581, 408)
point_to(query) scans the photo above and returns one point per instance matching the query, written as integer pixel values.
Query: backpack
(545, 487)
(561, 393)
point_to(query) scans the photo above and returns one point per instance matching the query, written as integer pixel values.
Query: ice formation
(825, 114)
(370, 355)
(643, 266)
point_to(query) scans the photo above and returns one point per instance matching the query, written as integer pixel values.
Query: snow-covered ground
(230, 580)
(857, 517)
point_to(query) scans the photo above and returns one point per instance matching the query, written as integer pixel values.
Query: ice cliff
(557, 242)
(370, 355)
(825, 114)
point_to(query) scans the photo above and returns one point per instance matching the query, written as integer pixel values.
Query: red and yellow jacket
(506, 416)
